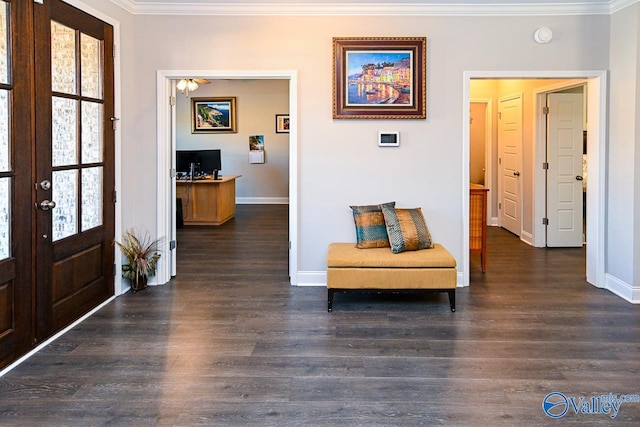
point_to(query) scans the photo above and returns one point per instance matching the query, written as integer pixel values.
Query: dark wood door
(56, 170)
(74, 152)
(16, 204)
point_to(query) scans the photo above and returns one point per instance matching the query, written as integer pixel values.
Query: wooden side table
(478, 222)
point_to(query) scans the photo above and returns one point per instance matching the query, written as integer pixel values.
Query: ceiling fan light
(192, 85)
(182, 84)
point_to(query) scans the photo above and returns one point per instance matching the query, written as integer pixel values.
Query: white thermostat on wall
(388, 139)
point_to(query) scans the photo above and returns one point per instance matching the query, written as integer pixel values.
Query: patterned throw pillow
(371, 231)
(407, 229)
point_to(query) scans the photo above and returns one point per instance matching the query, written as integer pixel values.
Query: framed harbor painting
(379, 78)
(213, 115)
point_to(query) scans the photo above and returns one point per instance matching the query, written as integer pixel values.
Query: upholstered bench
(378, 269)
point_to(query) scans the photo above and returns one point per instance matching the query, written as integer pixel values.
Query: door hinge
(115, 50)
(545, 110)
(172, 101)
(115, 196)
(499, 160)
(545, 221)
(545, 165)
(113, 122)
(172, 245)
(172, 173)
(499, 205)
(114, 269)
(499, 115)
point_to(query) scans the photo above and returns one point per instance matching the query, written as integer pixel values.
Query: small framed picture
(282, 123)
(213, 115)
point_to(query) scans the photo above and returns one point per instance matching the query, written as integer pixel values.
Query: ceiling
(372, 7)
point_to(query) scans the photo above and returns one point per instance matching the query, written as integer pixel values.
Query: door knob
(46, 205)
(516, 173)
(579, 178)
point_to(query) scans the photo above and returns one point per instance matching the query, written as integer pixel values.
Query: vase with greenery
(142, 255)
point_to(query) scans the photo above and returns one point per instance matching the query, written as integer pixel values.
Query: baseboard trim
(312, 278)
(527, 238)
(622, 289)
(262, 200)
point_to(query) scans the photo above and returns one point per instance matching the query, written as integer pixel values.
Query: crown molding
(387, 8)
(618, 5)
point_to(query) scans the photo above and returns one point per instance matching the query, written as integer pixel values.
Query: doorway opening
(595, 82)
(166, 221)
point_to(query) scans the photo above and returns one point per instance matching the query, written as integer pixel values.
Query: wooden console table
(208, 201)
(478, 222)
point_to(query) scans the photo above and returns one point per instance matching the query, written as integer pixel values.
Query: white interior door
(564, 175)
(510, 162)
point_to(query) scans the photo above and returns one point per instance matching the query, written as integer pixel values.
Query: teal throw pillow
(371, 231)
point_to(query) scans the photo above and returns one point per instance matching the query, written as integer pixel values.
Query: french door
(58, 190)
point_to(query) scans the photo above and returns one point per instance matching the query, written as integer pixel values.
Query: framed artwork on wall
(379, 78)
(282, 123)
(213, 115)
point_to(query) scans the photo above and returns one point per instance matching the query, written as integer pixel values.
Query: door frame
(165, 87)
(597, 105)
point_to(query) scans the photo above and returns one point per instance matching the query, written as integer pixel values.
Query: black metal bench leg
(329, 300)
(452, 299)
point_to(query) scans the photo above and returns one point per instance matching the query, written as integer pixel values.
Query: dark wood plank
(229, 342)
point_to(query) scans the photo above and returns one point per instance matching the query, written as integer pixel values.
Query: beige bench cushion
(351, 268)
(347, 255)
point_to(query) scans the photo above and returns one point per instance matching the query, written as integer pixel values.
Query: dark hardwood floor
(228, 342)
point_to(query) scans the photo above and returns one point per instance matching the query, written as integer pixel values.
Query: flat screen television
(206, 161)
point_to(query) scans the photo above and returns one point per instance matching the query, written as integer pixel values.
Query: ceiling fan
(189, 85)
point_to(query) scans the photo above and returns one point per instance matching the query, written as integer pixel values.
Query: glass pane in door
(5, 218)
(64, 150)
(64, 187)
(91, 66)
(91, 198)
(91, 132)
(63, 58)
(4, 44)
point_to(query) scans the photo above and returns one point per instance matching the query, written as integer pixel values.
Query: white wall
(622, 221)
(339, 161)
(257, 103)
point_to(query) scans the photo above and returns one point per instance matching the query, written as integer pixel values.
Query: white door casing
(596, 168)
(166, 187)
(564, 174)
(510, 162)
